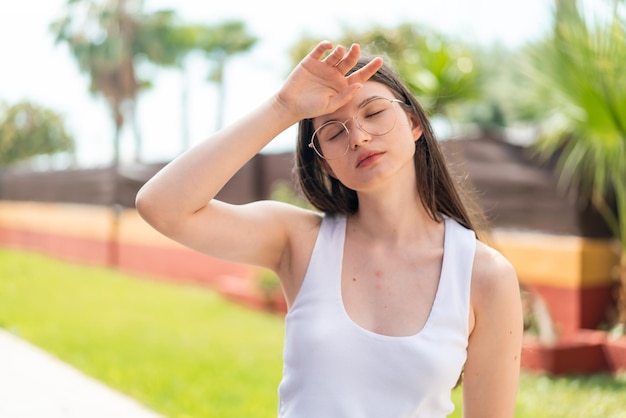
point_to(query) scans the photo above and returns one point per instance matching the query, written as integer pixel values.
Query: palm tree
(219, 44)
(109, 37)
(582, 64)
(165, 41)
(99, 35)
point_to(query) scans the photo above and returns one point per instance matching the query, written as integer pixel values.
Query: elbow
(142, 202)
(149, 209)
(155, 209)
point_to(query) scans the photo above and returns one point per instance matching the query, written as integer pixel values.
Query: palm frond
(583, 66)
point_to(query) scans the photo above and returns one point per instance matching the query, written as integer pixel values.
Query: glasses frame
(358, 124)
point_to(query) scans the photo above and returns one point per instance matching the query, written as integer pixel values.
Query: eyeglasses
(377, 117)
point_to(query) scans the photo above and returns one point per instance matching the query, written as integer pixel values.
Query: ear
(416, 127)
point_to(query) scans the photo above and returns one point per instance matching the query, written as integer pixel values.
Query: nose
(357, 135)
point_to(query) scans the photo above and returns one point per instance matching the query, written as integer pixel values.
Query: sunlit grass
(182, 350)
(541, 396)
(185, 352)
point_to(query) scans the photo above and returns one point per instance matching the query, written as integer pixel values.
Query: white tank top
(333, 368)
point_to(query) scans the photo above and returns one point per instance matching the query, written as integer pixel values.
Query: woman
(391, 296)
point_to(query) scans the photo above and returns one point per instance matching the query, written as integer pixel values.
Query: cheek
(327, 168)
(407, 135)
(408, 148)
(410, 124)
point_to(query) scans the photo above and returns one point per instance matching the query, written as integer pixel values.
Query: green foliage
(268, 281)
(185, 352)
(226, 39)
(101, 34)
(163, 39)
(582, 66)
(28, 130)
(282, 191)
(269, 284)
(507, 96)
(219, 44)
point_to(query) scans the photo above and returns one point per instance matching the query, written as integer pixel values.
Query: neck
(394, 217)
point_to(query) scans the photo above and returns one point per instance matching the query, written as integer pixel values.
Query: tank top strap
(326, 261)
(453, 295)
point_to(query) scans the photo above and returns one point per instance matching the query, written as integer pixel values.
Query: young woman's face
(369, 139)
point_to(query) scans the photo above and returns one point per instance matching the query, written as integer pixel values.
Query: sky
(36, 69)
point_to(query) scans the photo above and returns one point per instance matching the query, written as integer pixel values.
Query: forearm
(189, 182)
(314, 88)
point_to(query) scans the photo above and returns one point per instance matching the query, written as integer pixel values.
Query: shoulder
(300, 219)
(491, 269)
(495, 285)
(286, 214)
(297, 223)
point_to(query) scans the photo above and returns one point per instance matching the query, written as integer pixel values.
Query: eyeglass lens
(375, 117)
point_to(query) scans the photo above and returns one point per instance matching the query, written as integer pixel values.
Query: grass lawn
(181, 350)
(185, 352)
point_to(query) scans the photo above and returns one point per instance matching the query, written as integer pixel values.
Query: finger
(320, 50)
(335, 57)
(364, 74)
(349, 59)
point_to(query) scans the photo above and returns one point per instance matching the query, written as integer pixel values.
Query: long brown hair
(439, 192)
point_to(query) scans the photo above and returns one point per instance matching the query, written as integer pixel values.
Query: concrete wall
(95, 235)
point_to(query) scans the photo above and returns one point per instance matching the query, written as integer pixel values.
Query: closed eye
(374, 114)
(331, 131)
(335, 136)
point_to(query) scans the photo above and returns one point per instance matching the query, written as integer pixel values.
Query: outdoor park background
(78, 207)
(47, 74)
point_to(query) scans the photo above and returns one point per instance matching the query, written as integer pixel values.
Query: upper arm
(258, 233)
(491, 372)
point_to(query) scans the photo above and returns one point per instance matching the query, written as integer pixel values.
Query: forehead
(370, 89)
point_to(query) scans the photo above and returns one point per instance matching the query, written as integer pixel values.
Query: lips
(367, 158)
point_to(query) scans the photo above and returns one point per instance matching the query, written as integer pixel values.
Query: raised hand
(320, 86)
